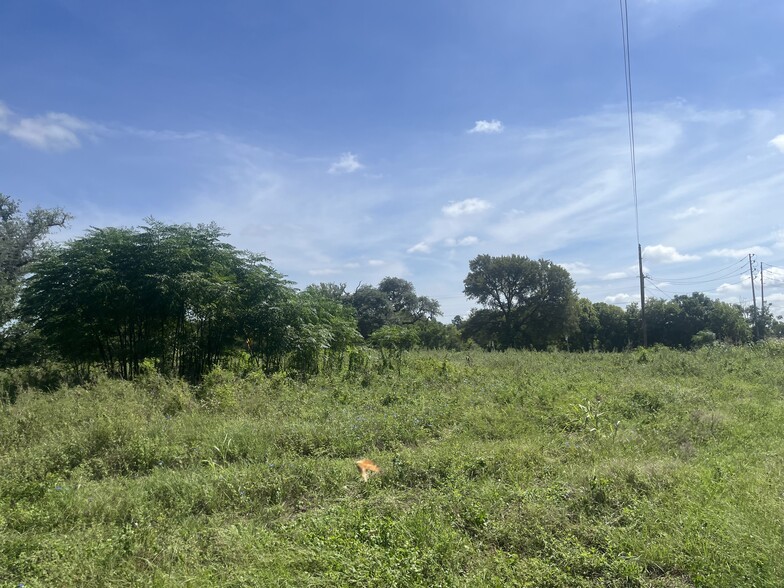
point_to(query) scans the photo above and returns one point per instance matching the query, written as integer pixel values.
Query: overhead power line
(737, 273)
(737, 264)
(654, 285)
(627, 66)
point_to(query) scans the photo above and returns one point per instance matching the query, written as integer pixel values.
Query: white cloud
(689, 212)
(54, 131)
(619, 299)
(577, 268)
(666, 254)
(487, 127)
(742, 252)
(467, 206)
(773, 275)
(731, 288)
(420, 247)
(775, 299)
(348, 163)
(615, 276)
(464, 242)
(376, 262)
(778, 142)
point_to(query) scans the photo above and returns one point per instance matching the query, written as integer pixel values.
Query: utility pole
(753, 298)
(643, 324)
(762, 293)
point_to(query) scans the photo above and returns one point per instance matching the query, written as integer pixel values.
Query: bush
(703, 338)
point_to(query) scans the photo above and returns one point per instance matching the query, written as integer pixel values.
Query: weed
(500, 469)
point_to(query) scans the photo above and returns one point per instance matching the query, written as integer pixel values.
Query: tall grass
(655, 468)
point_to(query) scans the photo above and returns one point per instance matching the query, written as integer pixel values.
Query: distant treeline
(178, 300)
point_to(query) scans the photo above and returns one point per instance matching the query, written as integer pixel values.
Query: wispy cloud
(577, 268)
(666, 254)
(467, 206)
(558, 192)
(464, 242)
(778, 142)
(53, 131)
(688, 213)
(420, 247)
(487, 127)
(348, 163)
(740, 252)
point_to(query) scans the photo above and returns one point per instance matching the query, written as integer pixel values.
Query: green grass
(656, 468)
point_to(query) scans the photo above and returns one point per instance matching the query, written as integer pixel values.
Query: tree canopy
(21, 240)
(173, 293)
(528, 303)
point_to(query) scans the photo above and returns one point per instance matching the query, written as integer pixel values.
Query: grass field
(655, 468)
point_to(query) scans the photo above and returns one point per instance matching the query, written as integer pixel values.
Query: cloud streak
(465, 207)
(487, 127)
(347, 164)
(53, 131)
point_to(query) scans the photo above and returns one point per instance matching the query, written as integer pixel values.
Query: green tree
(372, 308)
(613, 333)
(22, 240)
(407, 307)
(587, 336)
(392, 341)
(322, 333)
(436, 335)
(535, 300)
(675, 322)
(172, 293)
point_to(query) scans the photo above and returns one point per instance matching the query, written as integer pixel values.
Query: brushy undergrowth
(655, 468)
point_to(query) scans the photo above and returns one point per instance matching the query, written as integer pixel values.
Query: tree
(536, 300)
(322, 332)
(392, 341)
(21, 242)
(175, 294)
(372, 307)
(393, 302)
(587, 336)
(612, 334)
(675, 322)
(407, 307)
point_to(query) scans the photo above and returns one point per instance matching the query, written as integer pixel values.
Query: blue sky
(351, 140)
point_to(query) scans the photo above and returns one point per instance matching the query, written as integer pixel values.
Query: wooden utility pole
(643, 324)
(753, 298)
(762, 296)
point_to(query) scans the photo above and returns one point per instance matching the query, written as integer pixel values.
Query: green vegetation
(656, 468)
(179, 300)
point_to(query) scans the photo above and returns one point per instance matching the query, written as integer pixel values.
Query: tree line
(180, 300)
